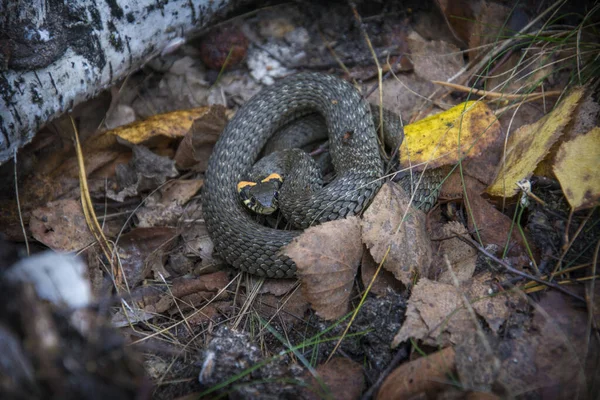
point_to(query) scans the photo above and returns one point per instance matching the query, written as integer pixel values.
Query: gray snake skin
(237, 237)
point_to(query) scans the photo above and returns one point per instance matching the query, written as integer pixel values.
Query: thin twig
(569, 242)
(480, 92)
(515, 271)
(19, 203)
(379, 70)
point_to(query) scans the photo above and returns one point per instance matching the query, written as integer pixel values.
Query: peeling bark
(54, 54)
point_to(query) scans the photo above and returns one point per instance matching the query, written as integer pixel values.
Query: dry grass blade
(88, 210)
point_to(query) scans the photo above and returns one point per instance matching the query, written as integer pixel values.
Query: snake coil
(237, 237)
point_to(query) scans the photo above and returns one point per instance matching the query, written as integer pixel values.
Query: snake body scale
(255, 248)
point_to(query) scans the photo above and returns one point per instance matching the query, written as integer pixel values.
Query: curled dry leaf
(576, 167)
(426, 376)
(530, 144)
(437, 316)
(383, 227)
(150, 300)
(145, 171)
(343, 379)
(327, 257)
(61, 226)
(464, 131)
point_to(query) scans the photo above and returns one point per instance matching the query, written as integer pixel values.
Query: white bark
(55, 54)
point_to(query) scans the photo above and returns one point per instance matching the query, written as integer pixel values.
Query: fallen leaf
(198, 244)
(409, 246)
(165, 207)
(61, 226)
(562, 328)
(139, 248)
(434, 68)
(196, 146)
(585, 118)
(171, 125)
(150, 300)
(180, 191)
(145, 171)
(327, 257)
(289, 309)
(530, 144)
(343, 379)
(426, 376)
(384, 282)
(277, 287)
(576, 167)
(544, 356)
(462, 257)
(494, 228)
(463, 132)
(477, 362)
(436, 314)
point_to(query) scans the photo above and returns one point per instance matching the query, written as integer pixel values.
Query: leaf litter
(457, 324)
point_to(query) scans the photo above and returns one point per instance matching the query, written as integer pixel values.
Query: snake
(250, 246)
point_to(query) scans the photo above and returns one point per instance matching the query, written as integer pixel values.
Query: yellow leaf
(576, 167)
(530, 144)
(436, 139)
(171, 125)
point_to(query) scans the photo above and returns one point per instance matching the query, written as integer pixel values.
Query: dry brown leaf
(426, 376)
(544, 358)
(146, 171)
(141, 247)
(278, 287)
(576, 167)
(150, 300)
(180, 191)
(410, 248)
(562, 327)
(196, 146)
(530, 144)
(470, 127)
(327, 257)
(166, 207)
(436, 314)
(434, 68)
(494, 228)
(290, 309)
(462, 257)
(342, 377)
(61, 226)
(384, 282)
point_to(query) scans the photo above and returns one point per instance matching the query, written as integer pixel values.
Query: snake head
(261, 197)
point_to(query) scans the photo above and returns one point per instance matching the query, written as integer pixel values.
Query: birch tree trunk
(55, 54)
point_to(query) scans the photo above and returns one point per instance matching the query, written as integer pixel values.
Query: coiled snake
(237, 237)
